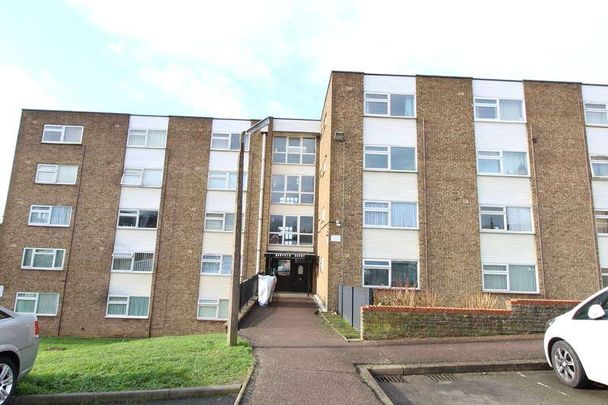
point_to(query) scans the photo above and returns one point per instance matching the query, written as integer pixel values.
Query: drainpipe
(258, 246)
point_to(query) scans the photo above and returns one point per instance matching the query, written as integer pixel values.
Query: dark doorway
(293, 271)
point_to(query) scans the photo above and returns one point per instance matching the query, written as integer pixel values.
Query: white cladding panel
(134, 240)
(218, 242)
(288, 248)
(220, 201)
(501, 136)
(230, 126)
(595, 94)
(507, 248)
(602, 244)
(225, 160)
(600, 194)
(597, 141)
(142, 198)
(131, 284)
(498, 89)
(389, 131)
(142, 122)
(283, 125)
(214, 287)
(294, 170)
(390, 84)
(291, 209)
(390, 244)
(136, 158)
(496, 190)
(390, 186)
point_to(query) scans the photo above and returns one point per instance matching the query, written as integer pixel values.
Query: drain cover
(441, 377)
(397, 378)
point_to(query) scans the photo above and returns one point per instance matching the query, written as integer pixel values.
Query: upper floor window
(56, 174)
(62, 134)
(42, 259)
(225, 141)
(142, 177)
(390, 214)
(509, 278)
(147, 138)
(216, 264)
(219, 221)
(394, 158)
(50, 215)
(134, 218)
(498, 109)
(390, 273)
(394, 105)
(599, 166)
(39, 303)
(141, 262)
(601, 221)
(505, 163)
(499, 218)
(122, 306)
(291, 230)
(293, 189)
(293, 150)
(596, 113)
(220, 180)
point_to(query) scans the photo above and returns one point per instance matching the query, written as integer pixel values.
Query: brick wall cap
(532, 301)
(444, 310)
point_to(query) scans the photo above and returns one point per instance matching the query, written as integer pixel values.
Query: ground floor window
(509, 278)
(37, 303)
(390, 273)
(122, 306)
(604, 278)
(212, 309)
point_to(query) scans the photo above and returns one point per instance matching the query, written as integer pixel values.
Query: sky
(251, 59)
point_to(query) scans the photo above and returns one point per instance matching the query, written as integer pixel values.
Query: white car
(576, 342)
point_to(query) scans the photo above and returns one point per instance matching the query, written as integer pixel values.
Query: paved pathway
(301, 360)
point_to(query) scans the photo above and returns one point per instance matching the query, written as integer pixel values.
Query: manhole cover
(441, 377)
(397, 378)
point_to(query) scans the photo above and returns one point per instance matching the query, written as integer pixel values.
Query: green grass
(93, 365)
(342, 326)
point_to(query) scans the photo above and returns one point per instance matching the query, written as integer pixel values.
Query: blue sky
(252, 58)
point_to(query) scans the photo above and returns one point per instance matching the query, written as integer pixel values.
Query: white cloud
(115, 48)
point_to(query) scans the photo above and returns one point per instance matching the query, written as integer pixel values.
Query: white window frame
(144, 132)
(228, 137)
(226, 176)
(62, 129)
(126, 315)
(388, 210)
(216, 305)
(137, 216)
(141, 173)
(35, 299)
(388, 154)
(220, 261)
(597, 159)
(500, 159)
(130, 256)
(507, 273)
(55, 169)
(596, 110)
(299, 192)
(298, 233)
(388, 267)
(49, 209)
(301, 152)
(30, 265)
(505, 218)
(600, 213)
(223, 219)
(498, 118)
(388, 104)
(604, 277)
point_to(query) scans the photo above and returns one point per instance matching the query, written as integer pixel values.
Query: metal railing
(249, 289)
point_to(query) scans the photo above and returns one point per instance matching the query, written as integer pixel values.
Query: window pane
(308, 159)
(40, 215)
(307, 198)
(232, 179)
(127, 220)
(376, 218)
(279, 157)
(492, 221)
(227, 264)
(276, 222)
(374, 107)
(207, 311)
(277, 197)
(308, 145)
(223, 309)
(293, 158)
(515, 163)
(67, 174)
(404, 274)
(487, 113)
(375, 277)
(27, 257)
(229, 222)
(138, 306)
(305, 239)
(518, 219)
(25, 306)
(220, 141)
(72, 134)
(147, 219)
(291, 223)
(278, 183)
(143, 262)
(121, 264)
(495, 282)
(157, 138)
(600, 169)
(47, 304)
(489, 165)
(46, 174)
(522, 278)
(604, 280)
(306, 224)
(293, 183)
(153, 177)
(117, 309)
(403, 158)
(279, 144)
(596, 117)
(511, 110)
(235, 141)
(217, 182)
(43, 258)
(374, 161)
(403, 215)
(51, 133)
(136, 138)
(58, 258)
(61, 215)
(402, 105)
(308, 184)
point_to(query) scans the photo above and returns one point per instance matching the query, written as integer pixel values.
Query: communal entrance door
(293, 274)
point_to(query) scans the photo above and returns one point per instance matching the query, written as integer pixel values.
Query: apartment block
(124, 225)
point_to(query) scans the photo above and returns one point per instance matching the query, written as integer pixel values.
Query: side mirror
(596, 312)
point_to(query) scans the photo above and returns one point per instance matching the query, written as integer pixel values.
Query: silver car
(19, 338)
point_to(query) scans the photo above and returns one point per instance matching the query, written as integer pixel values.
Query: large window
(42, 259)
(596, 113)
(498, 109)
(219, 221)
(504, 163)
(133, 218)
(147, 138)
(220, 180)
(291, 230)
(515, 278)
(39, 303)
(599, 166)
(216, 264)
(601, 221)
(142, 177)
(394, 105)
(136, 262)
(56, 174)
(213, 309)
(70, 134)
(514, 219)
(293, 150)
(293, 189)
(390, 273)
(225, 141)
(395, 158)
(123, 306)
(50, 215)
(390, 214)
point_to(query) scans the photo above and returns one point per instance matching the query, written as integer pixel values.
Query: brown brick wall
(562, 189)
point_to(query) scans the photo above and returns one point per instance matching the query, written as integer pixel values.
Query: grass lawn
(88, 365)
(341, 325)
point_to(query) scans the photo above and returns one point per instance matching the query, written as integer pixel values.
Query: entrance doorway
(293, 271)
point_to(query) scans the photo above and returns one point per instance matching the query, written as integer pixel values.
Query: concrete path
(301, 360)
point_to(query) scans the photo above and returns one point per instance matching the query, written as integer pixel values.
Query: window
(293, 150)
(514, 219)
(394, 105)
(219, 180)
(505, 163)
(390, 273)
(50, 215)
(509, 278)
(601, 222)
(147, 138)
(222, 141)
(498, 109)
(133, 218)
(599, 166)
(56, 174)
(216, 264)
(123, 306)
(213, 309)
(142, 177)
(291, 230)
(293, 189)
(42, 304)
(141, 262)
(42, 259)
(390, 214)
(62, 134)
(390, 158)
(604, 278)
(215, 221)
(596, 113)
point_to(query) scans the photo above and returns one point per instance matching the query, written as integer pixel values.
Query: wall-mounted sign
(335, 238)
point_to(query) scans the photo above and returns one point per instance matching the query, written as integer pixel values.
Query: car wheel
(8, 379)
(567, 366)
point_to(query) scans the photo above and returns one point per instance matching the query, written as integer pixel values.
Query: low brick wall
(522, 316)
